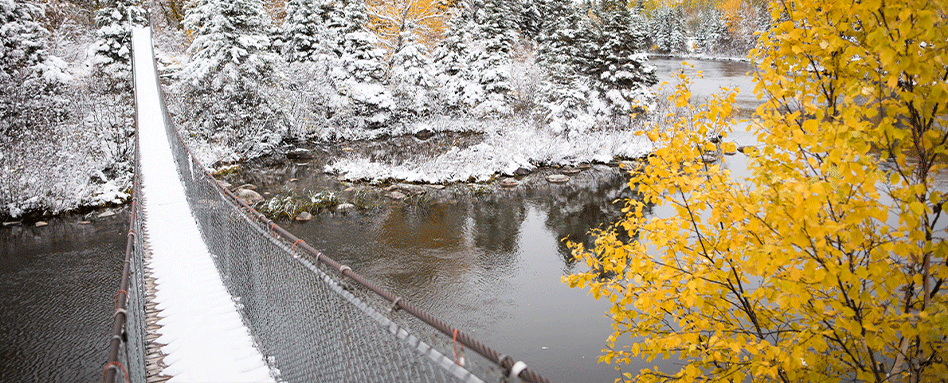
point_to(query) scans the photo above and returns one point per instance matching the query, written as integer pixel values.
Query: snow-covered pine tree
(712, 36)
(230, 78)
(493, 61)
(410, 77)
(363, 68)
(613, 57)
(29, 75)
(302, 31)
(562, 101)
(459, 90)
(668, 30)
(110, 54)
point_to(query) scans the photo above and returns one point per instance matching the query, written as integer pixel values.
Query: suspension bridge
(214, 291)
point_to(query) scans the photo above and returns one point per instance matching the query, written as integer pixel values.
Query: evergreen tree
(231, 74)
(668, 30)
(111, 52)
(613, 56)
(493, 61)
(712, 35)
(363, 65)
(29, 76)
(411, 77)
(302, 31)
(459, 90)
(562, 96)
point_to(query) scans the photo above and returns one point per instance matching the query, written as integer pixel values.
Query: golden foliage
(829, 262)
(426, 20)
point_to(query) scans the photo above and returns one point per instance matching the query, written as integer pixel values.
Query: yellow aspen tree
(828, 262)
(425, 19)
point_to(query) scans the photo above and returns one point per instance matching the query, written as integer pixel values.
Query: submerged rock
(396, 195)
(557, 178)
(299, 154)
(509, 182)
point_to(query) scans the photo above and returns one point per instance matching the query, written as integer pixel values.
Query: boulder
(557, 178)
(299, 154)
(249, 197)
(304, 216)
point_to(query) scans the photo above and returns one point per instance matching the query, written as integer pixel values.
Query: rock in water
(41, 224)
(248, 186)
(105, 214)
(522, 172)
(299, 154)
(708, 158)
(571, 171)
(249, 197)
(509, 182)
(396, 195)
(424, 135)
(304, 216)
(345, 208)
(557, 178)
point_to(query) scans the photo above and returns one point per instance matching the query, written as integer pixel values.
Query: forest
(247, 79)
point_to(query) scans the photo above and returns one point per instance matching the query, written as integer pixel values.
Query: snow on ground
(205, 337)
(503, 151)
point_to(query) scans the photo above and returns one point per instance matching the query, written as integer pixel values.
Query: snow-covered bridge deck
(200, 333)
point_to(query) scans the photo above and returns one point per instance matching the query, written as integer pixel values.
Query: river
(489, 264)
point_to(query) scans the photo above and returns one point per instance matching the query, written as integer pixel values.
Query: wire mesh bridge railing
(314, 319)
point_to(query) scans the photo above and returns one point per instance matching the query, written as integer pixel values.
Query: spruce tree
(410, 77)
(302, 31)
(459, 90)
(111, 52)
(363, 65)
(712, 35)
(230, 76)
(493, 61)
(613, 56)
(668, 30)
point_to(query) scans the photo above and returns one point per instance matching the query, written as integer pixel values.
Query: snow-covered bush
(229, 85)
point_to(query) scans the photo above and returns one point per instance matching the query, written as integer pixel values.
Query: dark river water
(489, 264)
(56, 288)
